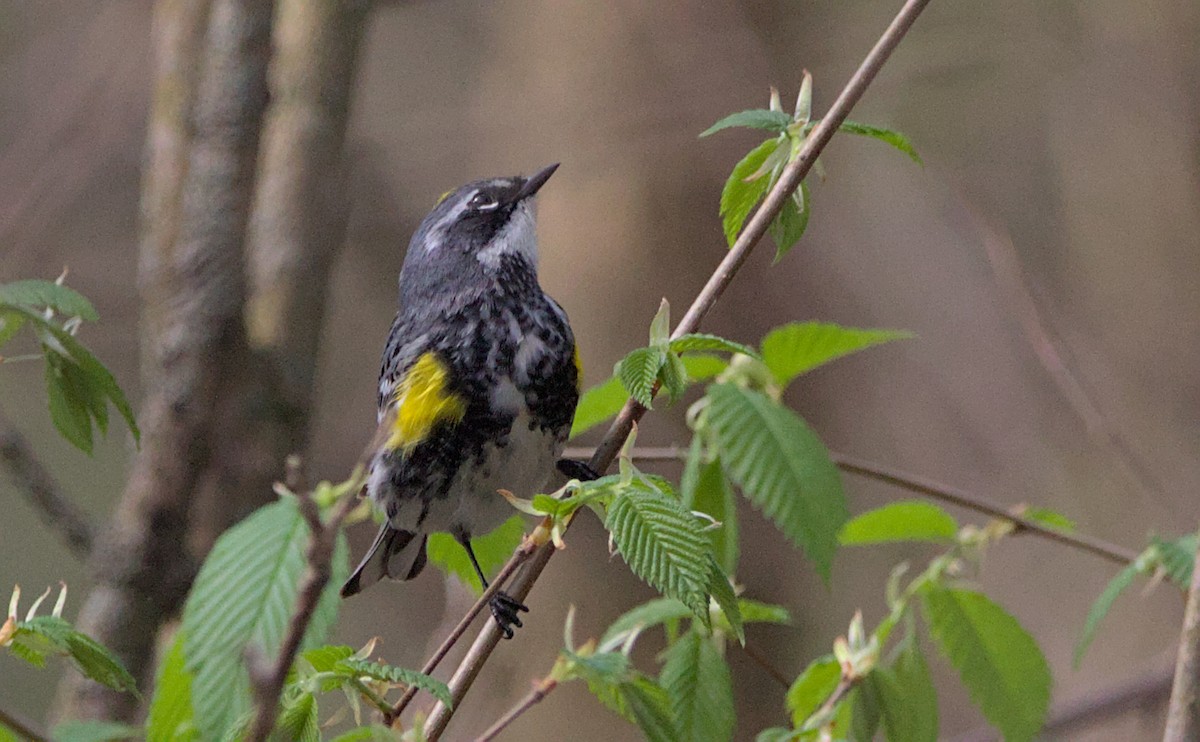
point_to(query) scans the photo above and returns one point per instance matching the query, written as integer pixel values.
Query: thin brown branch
(929, 488)
(751, 234)
(23, 727)
(540, 690)
(516, 560)
(955, 496)
(1183, 715)
(268, 685)
(762, 661)
(56, 509)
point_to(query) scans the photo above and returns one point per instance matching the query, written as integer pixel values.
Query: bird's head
(476, 230)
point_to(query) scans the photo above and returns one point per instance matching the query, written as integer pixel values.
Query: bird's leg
(504, 606)
(572, 469)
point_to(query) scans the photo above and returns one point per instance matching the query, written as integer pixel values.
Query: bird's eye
(483, 202)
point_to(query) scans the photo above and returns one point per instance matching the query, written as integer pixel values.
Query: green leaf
(709, 492)
(907, 699)
(95, 661)
(789, 226)
(1177, 558)
(703, 366)
(698, 684)
(775, 734)
(811, 689)
(601, 668)
(674, 376)
(70, 407)
(244, 595)
(7, 735)
(648, 705)
(754, 611)
(782, 467)
(909, 520)
(492, 550)
(11, 323)
(638, 371)
(660, 326)
(170, 717)
(324, 659)
(663, 544)
(373, 733)
(1103, 605)
(722, 592)
(754, 118)
(599, 403)
(1049, 518)
(36, 294)
(397, 675)
(646, 615)
(999, 662)
(699, 341)
(298, 721)
(739, 197)
(94, 731)
(796, 348)
(894, 138)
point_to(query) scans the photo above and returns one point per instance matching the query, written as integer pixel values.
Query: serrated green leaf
(866, 712)
(998, 661)
(36, 294)
(799, 347)
(69, 408)
(811, 689)
(894, 138)
(604, 668)
(27, 654)
(170, 717)
(650, 708)
(244, 594)
(1049, 518)
(674, 376)
(695, 341)
(298, 721)
(638, 372)
(324, 659)
(710, 492)
(95, 661)
(789, 225)
(398, 675)
(647, 615)
(1177, 557)
(908, 700)
(663, 544)
(696, 679)
(721, 591)
(701, 366)
(909, 520)
(599, 403)
(492, 550)
(94, 731)
(782, 467)
(1102, 606)
(754, 611)
(739, 197)
(754, 118)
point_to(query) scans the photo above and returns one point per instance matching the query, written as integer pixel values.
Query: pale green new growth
(910, 520)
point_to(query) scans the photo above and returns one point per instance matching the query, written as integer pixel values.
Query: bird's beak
(535, 182)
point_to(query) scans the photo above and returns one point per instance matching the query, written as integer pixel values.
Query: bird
(478, 385)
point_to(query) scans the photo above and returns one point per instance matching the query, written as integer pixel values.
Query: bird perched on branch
(479, 382)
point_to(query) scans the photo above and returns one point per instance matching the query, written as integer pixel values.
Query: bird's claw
(504, 610)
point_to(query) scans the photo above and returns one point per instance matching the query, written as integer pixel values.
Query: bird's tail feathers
(397, 554)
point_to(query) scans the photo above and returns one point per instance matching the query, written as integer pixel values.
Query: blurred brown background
(1059, 138)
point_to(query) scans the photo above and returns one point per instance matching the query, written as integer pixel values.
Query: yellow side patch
(423, 400)
(578, 370)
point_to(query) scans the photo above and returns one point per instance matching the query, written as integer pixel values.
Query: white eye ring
(480, 203)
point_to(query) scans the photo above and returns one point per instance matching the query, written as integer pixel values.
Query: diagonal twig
(57, 510)
(751, 234)
(22, 727)
(1183, 715)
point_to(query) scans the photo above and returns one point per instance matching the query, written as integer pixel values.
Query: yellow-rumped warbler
(479, 382)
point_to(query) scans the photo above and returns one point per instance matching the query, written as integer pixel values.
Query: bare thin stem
(954, 496)
(322, 537)
(519, 556)
(761, 660)
(1183, 715)
(24, 729)
(751, 235)
(56, 509)
(541, 689)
